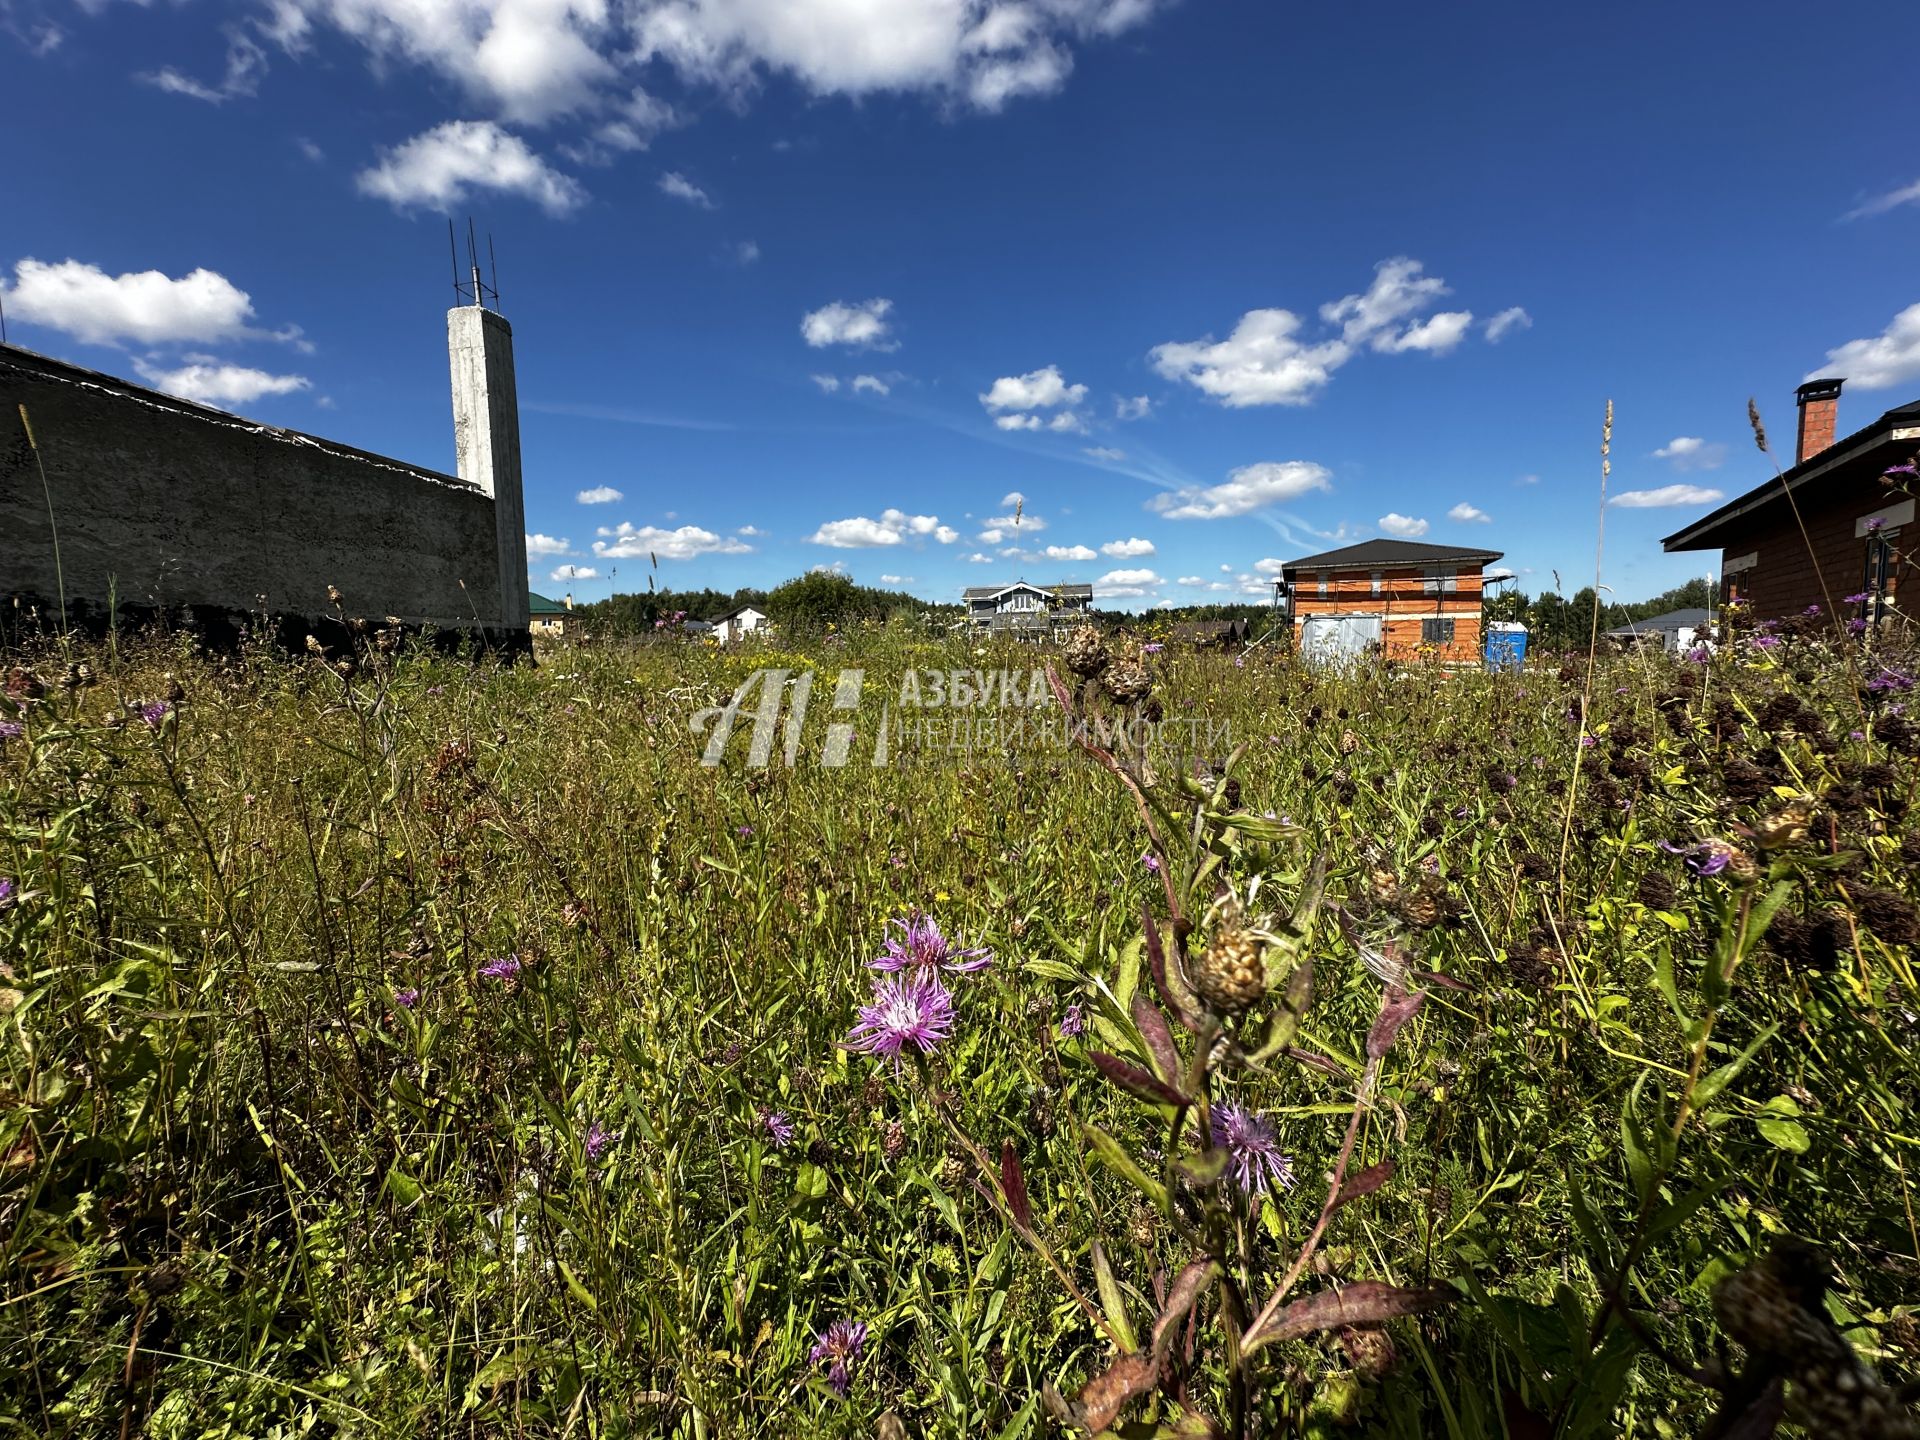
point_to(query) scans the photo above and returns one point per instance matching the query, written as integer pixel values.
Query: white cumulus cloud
(146, 306)
(210, 382)
(625, 542)
(1131, 549)
(1690, 452)
(441, 168)
(574, 572)
(1070, 552)
(677, 185)
(1037, 390)
(1469, 514)
(894, 526)
(1250, 488)
(1406, 527)
(863, 326)
(827, 383)
(1270, 359)
(1666, 495)
(872, 384)
(599, 495)
(538, 545)
(1126, 583)
(1134, 408)
(1890, 358)
(1506, 323)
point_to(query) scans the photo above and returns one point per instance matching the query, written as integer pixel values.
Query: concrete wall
(175, 504)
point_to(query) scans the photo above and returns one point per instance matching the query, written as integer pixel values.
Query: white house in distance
(739, 621)
(1026, 609)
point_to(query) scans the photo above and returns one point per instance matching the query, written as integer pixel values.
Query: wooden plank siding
(1783, 565)
(1403, 602)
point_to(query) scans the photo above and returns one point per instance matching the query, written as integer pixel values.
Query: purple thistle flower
(921, 946)
(1858, 599)
(1254, 1156)
(840, 1344)
(406, 999)
(155, 715)
(1889, 681)
(907, 1010)
(1587, 742)
(1876, 525)
(1074, 1022)
(600, 1140)
(1152, 862)
(1811, 610)
(6, 892)
(505, 968)
(1909, 470)
(1152, 648)
(779, 1127)
(1699, 655)
(1766, 642)
(743, 831)
(9, 730)
(1856, 627)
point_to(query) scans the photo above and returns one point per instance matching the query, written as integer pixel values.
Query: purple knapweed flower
(1074, 1022)
(907, 1010)
(1699, 655)
(6, 892)
(1150, 862)
(1876, 524)
(1152, 648)
(1811, 610)
(1766, 642)
(1705, 858)
(1254, 1156)
(1856, 627)
(1587, 742)
(921, 946)
(1909, 471)
(599, 1140)
(839, 1344)
(11, 730)
(778, 1127)
(406, 999)
(1890, 681)
(505, 968)
(1860, 598)
(743, 831)
(155, 714)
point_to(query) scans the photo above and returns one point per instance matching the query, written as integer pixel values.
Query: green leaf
(575, 1288)
(1713, 1083)
(1112, 1300)
(1787, 1134)
(1109, 1152)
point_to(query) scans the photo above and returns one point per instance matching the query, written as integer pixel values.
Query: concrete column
(486, 439)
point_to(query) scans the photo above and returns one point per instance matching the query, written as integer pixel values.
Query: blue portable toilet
(1506, 645)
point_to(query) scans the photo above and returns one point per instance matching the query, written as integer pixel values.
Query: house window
(1436, 632)
(1376, 582)
(1323, 584)
(1440, 582)
(1882, 556)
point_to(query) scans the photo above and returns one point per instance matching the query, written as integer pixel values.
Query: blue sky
(1208, 283)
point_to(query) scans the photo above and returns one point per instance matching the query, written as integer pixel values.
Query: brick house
(1842, 541)
(1406, 598)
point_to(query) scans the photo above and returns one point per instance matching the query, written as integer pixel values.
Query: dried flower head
(1231, 973)
(1085, 652)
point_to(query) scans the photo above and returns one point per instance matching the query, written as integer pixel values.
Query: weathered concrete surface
(165, 504)
(486, 439)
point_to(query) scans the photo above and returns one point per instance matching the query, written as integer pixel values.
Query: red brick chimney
(1819, 409)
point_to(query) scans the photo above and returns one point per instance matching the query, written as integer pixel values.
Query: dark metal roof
(1700, 534)
(1692, 619)
(1064, 592)
(1372, 553)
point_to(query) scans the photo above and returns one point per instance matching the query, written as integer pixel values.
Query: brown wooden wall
(1792, 563)
(1403, 602)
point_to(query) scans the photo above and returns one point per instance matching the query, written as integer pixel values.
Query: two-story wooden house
(1396, 597)
(1026, 609)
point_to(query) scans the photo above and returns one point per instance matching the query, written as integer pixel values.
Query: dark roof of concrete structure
(736, 612)
(1699, 535)
(541, 605)
(1391, 552)
(32, 361)
(1064, 592)
(1692, 619)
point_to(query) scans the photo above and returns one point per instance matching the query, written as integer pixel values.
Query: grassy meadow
(403, 1047)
